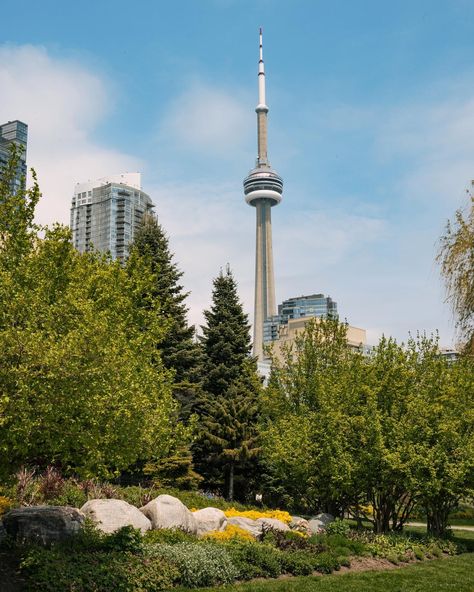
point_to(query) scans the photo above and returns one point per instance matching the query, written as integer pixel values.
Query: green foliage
(393, 429)
(125, 539)
(338, 526)
(198, 564)
(169, 536)
(229, 407)
(174, 471)
(82, 384)
(298, 563)
(179, 352)
(55, 570)
(456, 260)
(326, 563)
(255, 560)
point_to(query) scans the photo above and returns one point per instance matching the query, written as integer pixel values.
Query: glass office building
(105, 214)
(14, 132)
(314, 305)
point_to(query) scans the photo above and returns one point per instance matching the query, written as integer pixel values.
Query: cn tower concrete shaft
(264, 276)
(263, 189)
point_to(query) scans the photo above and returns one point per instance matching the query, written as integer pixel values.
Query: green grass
(455, 574)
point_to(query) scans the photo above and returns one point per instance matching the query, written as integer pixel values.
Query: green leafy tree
(229, 406)
(456, 259)
(80, 381)
(443, 432)
(179, 350)
(310, 429)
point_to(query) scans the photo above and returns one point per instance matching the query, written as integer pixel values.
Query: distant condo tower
(263, 189)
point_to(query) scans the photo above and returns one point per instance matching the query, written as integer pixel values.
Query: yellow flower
(255, 514)
(231, 532)
(5, 504)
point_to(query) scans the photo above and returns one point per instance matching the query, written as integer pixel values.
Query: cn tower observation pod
(263, 183)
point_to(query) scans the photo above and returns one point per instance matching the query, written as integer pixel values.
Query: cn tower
(263, 189)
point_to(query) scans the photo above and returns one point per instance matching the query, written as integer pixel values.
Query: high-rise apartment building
(105, 214)
(15, 132)
(314, 305)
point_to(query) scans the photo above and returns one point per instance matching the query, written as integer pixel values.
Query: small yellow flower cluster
(255, 514)
(5, 504)
(231, 532)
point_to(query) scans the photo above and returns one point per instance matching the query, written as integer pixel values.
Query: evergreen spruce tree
(229, 407)
(179, 350)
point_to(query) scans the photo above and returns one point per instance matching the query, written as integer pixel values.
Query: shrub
(298, 563)
(198, 564)
(125, 539)
(338, 526)
(70, 495)
(418, 552)
(5, 504)
(326, 563)
(55, 570)
(232, 531)
(255, 560)
(290, 541)
(344, 561)
(392, 557)
(170, 536)
(341, 551)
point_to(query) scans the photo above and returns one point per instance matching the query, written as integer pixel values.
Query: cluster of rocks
(50, 524)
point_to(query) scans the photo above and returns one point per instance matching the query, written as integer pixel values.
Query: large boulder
(252, 526)
(272, 523)
(111, 514)
(166, 511)
(319, 522)
(209, 519)
(43, 524)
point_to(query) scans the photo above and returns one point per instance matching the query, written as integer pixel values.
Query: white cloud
(208, 119)
(62, 102)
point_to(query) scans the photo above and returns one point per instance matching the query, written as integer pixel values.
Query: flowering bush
(231, 532)
(5, 504)
(255, 514)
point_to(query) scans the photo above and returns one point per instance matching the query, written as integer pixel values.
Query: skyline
(371, 128)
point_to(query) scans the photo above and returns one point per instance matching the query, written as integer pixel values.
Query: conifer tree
(229, 407)
(179, 351)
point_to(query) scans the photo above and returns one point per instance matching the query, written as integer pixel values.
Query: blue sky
(371, 127)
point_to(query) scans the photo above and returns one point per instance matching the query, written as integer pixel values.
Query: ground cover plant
(163, 559)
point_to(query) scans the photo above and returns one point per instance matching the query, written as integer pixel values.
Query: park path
(470, 528)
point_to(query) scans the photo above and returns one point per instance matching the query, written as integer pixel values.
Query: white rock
(252, 526)
(325, 518)
(273, 523)
(209, 519)
(166, 511)
(110, 514)
(315, 526)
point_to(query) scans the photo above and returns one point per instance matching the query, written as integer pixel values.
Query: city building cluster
(106, 213)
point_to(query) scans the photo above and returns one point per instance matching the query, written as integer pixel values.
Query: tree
(456, 259)
(81, 384)
(229, 406)
(310, 427)
(443, 432)
(179, 351)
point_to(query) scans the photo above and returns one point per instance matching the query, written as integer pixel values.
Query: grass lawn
(455, 574)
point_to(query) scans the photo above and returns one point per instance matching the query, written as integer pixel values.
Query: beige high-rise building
(263, 189)
(356, 337)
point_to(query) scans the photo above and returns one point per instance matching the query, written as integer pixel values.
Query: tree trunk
(437, 520)
(230, 493)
